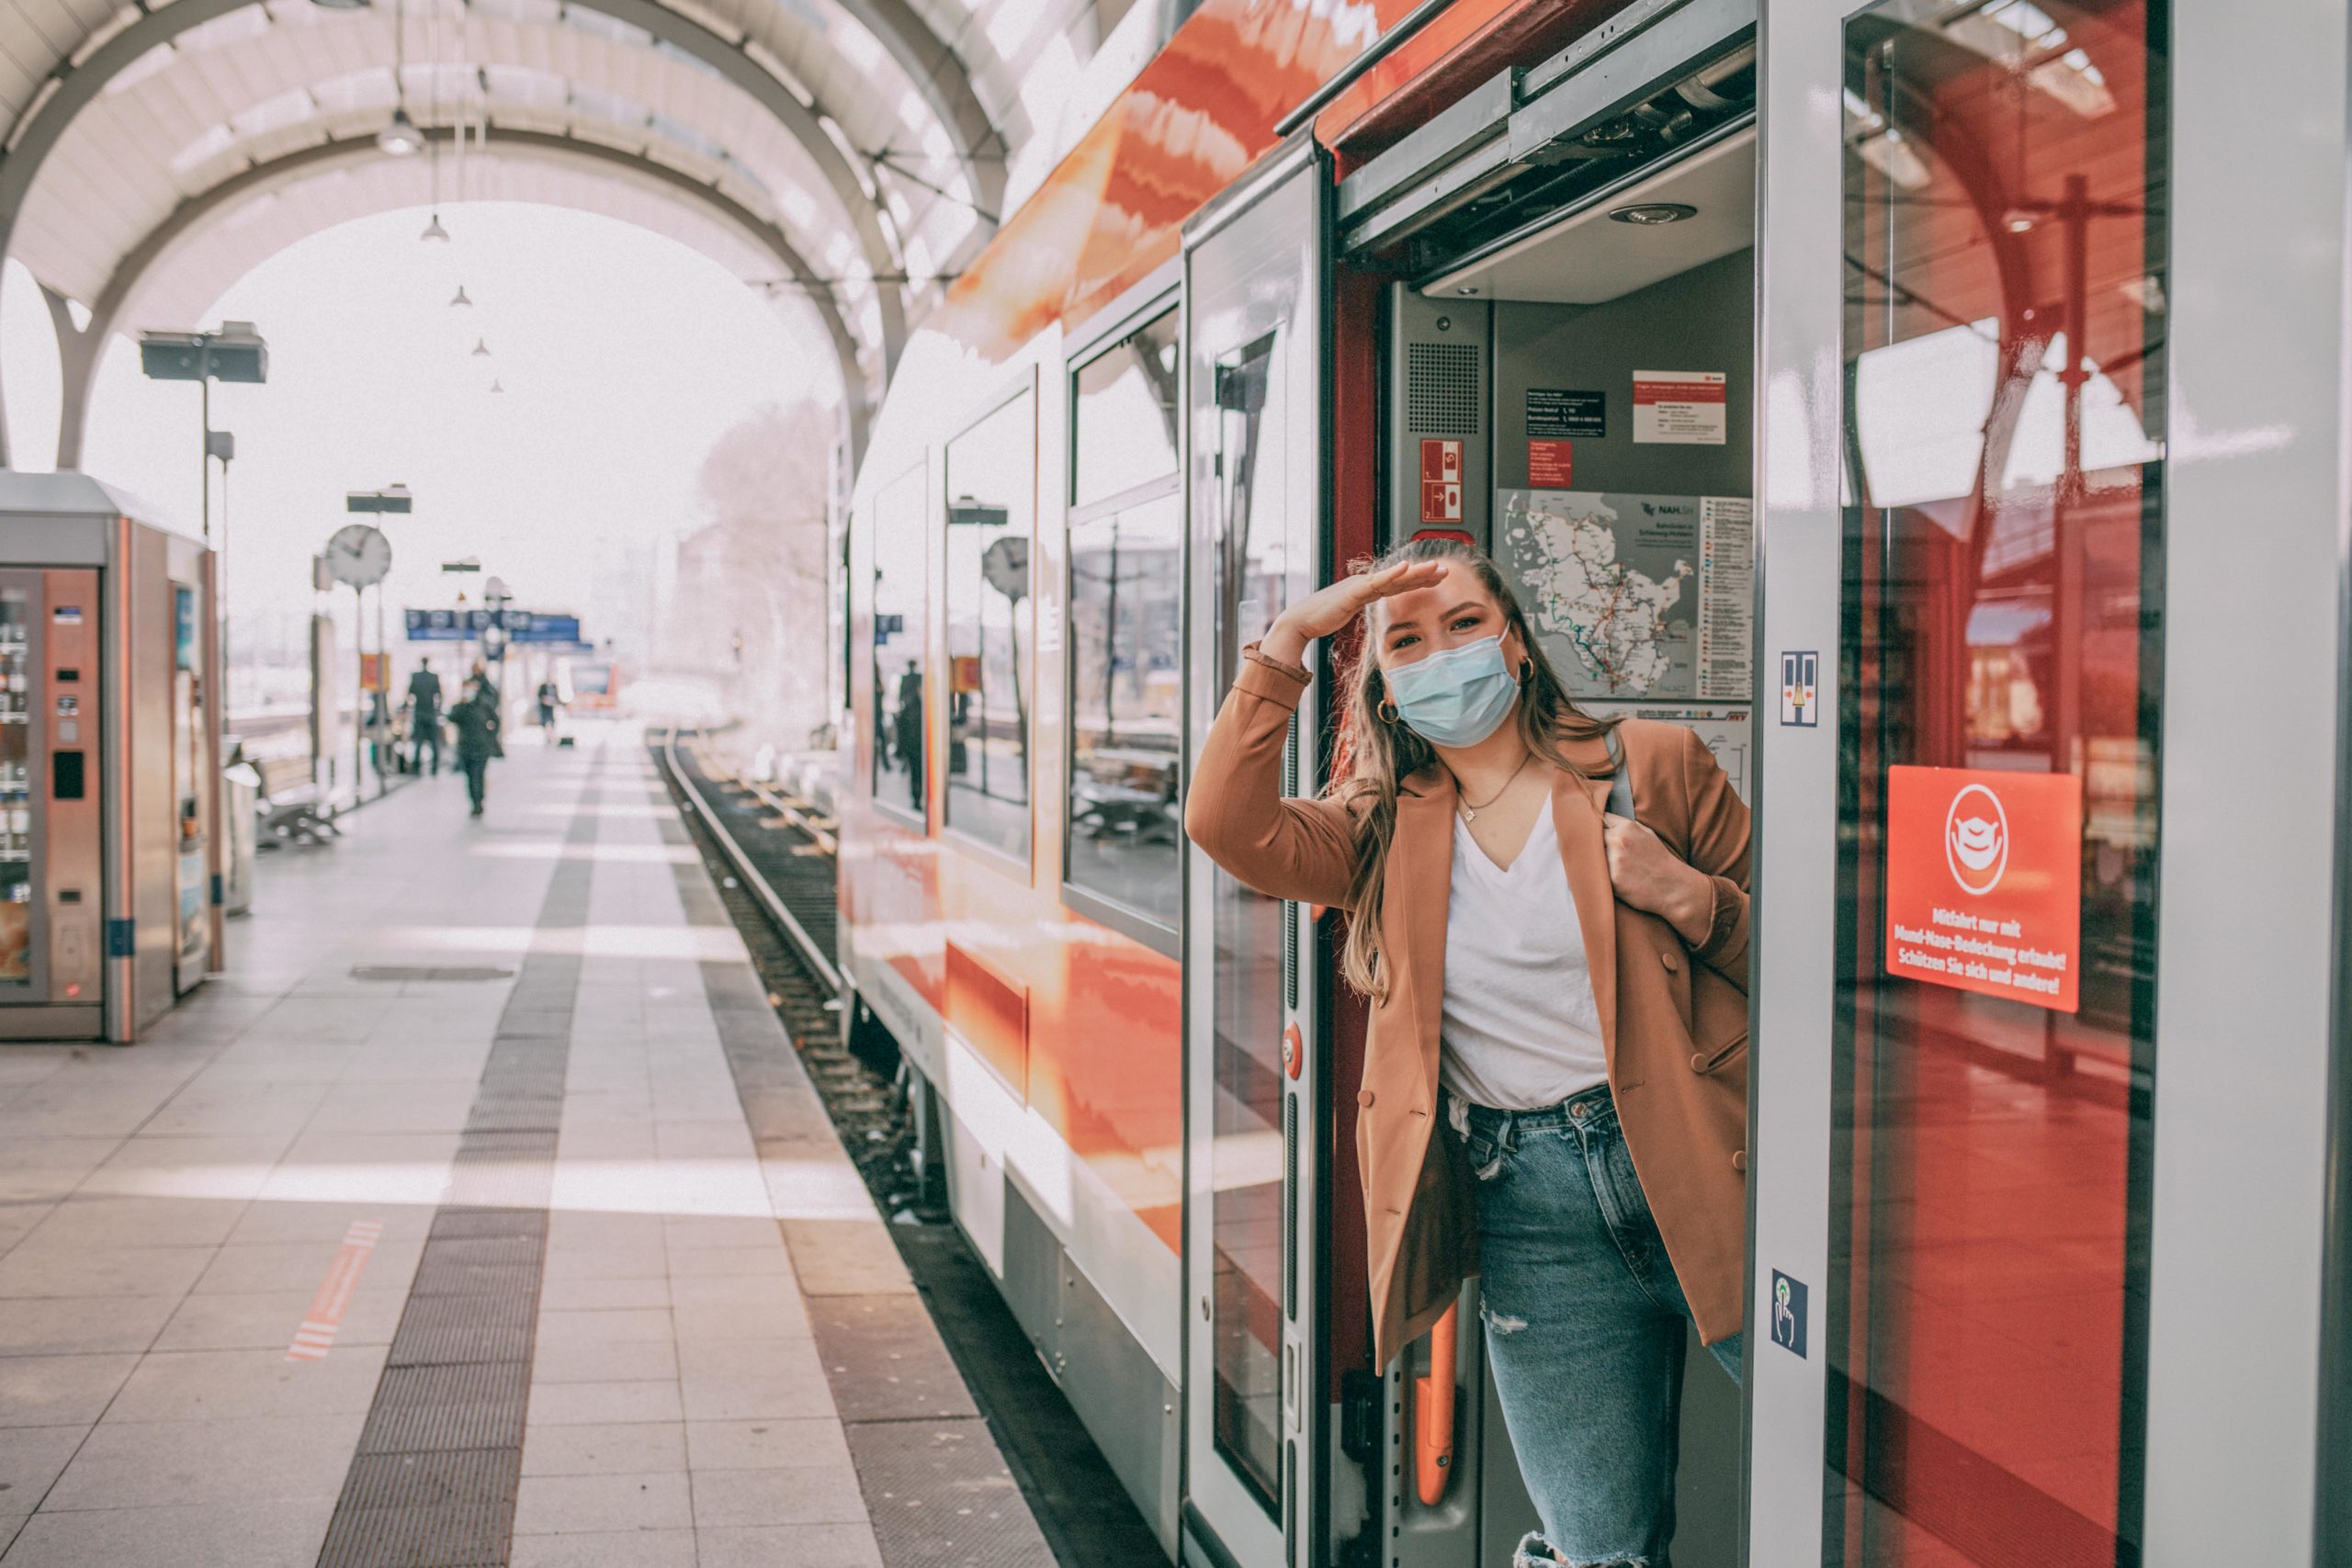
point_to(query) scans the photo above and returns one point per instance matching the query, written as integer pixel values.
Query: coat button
(1364, 1096)
(1740, 1159)
(1669, 960)
(1697, 1061)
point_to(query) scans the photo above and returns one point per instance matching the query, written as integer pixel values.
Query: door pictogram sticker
(1801, 689)
(1787, 1313)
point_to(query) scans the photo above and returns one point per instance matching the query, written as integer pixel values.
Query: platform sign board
(1984, 881)
(465, 625)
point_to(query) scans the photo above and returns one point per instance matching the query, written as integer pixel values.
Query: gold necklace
(1470, 812)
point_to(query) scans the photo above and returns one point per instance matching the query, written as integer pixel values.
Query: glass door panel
(1254, 498)
(2000, 621)
(1246, 1149)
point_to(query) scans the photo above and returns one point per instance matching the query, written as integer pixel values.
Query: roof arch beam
(82, 351)
(945, 86)
(44, 127)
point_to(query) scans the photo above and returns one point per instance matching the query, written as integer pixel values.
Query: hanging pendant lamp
(459, 298)
(482, 349)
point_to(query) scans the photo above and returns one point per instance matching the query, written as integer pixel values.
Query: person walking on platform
(424, 713)
(476, 722)
(1550, 918)
(551, 699)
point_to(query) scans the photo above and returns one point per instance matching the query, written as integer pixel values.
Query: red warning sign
(1440, 481)
(1550, 465)
(1984, 881)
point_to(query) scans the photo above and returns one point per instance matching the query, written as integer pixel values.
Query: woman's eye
(1406, 641)
(1465, 621)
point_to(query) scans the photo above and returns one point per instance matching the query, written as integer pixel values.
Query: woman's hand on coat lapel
(1653, 878)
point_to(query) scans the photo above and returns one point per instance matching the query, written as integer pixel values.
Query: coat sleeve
(1235, 810)
(1718, 839)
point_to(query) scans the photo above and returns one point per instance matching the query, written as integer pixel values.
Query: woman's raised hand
(1327, 610)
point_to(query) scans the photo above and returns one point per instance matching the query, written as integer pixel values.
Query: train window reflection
(1125, 414)
(992, 515)
(900, 618)
(2002, 621)
(1126, 619)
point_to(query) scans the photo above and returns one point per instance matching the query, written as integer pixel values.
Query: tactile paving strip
(440, 1459)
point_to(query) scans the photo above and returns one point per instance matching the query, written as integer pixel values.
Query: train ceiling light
(1651, 213)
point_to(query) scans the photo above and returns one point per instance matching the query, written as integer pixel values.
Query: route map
(1635, 597)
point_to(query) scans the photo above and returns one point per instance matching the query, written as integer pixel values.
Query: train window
(900, 617)
(2001, 620)
(1124, 414)
(992, 515)
(1126, 694)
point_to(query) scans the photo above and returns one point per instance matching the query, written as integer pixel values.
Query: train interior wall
(1549, 364)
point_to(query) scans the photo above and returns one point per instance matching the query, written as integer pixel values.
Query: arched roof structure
(846, 154)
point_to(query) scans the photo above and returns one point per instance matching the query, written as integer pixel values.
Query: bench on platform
(291, 805)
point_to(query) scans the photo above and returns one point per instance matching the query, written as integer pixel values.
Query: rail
(746, 873)
(1352, 71)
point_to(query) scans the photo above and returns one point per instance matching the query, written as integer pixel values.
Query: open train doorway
(1563, 377)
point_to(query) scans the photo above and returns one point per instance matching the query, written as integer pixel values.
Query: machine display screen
(16, 792)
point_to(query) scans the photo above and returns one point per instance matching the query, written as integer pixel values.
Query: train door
(2041, 967)
(1254, 302)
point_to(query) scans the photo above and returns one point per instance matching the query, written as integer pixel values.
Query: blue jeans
(1585, 1332)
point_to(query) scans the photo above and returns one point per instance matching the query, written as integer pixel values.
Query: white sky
(624, 354)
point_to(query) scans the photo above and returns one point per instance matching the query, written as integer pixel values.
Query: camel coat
(1674, 1021)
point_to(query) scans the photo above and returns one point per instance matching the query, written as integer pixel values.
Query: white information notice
(1729, 732)
(1680, 408)
(1727, 599)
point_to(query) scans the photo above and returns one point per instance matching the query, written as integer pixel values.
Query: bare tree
(750, 607)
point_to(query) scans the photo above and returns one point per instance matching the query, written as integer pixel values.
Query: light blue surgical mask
(1457, 697)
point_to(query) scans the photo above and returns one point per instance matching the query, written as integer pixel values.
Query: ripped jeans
(1584, 1328)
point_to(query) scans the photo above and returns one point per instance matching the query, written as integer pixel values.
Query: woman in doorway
(1560, 983)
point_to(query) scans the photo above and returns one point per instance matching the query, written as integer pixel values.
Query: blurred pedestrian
(476, 721)
(424, 713)
(551, 699)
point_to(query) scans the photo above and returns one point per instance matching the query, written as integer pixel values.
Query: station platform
(480, 1214)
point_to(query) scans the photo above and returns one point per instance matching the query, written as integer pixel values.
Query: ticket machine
(109, 795)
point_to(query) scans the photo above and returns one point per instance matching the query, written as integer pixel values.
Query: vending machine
(110, 774)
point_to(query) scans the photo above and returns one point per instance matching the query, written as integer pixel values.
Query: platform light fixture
(1648, 214)
(433, 231)
(401, 138)
(340, 5)
(459, 297)
(482, 349)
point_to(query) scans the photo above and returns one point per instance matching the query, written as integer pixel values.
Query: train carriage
(1856, 387)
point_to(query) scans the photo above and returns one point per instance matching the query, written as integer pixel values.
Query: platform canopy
(845, 155)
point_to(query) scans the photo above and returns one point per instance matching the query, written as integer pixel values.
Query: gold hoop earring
(1387, 711)
(1526, 670)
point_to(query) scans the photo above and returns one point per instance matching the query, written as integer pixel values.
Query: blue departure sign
(463, 625)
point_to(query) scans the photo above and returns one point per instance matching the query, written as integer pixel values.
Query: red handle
(1433, 1412)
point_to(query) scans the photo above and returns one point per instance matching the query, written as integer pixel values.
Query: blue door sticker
(1787, 1313)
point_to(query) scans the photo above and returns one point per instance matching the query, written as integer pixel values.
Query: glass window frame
(1024, 865)
(876, 508)
(1100, 907)
(1864, 623)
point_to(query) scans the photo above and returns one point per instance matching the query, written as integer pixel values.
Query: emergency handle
(1433, 1412)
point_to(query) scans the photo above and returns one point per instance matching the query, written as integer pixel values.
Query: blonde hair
(1379, 754)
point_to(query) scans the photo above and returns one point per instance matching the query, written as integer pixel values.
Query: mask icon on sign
(1976, 839)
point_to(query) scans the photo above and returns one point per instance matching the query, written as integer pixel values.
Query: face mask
(1455, 698)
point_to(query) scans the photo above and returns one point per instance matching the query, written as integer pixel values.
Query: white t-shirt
(1521, 1029)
